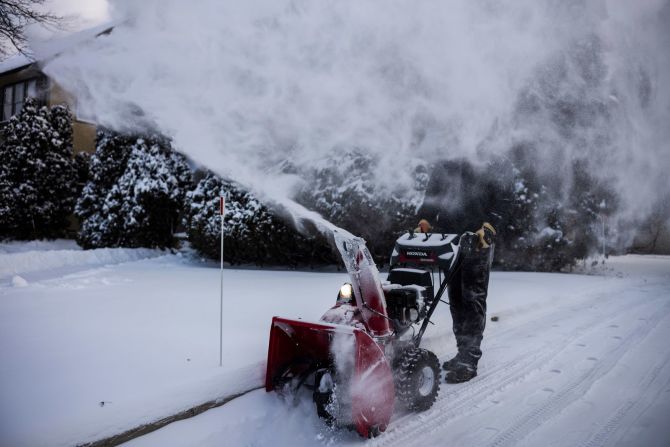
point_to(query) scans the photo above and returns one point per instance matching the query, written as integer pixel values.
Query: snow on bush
(342, 188)
(38, 176)
(252, 233)
(134, 194)
(545, 223)
(550, 229)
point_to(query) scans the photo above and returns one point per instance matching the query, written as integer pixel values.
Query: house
(21, 77)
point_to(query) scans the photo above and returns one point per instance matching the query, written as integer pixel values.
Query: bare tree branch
(15, 16)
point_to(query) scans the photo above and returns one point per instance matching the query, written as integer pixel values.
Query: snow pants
(467, 296)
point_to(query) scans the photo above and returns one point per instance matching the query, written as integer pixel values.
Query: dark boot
(451, 363)
(461, 372)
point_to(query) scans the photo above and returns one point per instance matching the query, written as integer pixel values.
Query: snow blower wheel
(374, 432)
(417, 379)
(324, 396)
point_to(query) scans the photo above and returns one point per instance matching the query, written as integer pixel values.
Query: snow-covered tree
(253, 234)
(38, 175)
(99, 227)
(135, 193)
(553, 220)
(528, 233)
(652, 236)
(550, 220)
(342, 189)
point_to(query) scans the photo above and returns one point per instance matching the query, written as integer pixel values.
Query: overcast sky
(79, 14)
(89, 10)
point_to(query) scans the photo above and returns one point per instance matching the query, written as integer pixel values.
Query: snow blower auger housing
(361, 357)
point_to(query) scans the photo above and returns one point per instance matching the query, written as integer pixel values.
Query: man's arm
(496, 216)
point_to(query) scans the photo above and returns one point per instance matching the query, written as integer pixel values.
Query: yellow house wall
(83, 137)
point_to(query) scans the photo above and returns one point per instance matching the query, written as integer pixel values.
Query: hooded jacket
(461, 198)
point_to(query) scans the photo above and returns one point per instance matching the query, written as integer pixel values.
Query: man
(462, 200)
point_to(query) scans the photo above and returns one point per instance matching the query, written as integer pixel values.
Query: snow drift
(39, 256)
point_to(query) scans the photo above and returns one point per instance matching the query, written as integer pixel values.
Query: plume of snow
(241, 87)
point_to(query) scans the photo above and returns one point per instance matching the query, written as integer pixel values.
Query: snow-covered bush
(653, 234)
(135, 193)
(252, 233)
(567, 123)
(343, 190)
(552, 222)
(548, 222)
(38, 175)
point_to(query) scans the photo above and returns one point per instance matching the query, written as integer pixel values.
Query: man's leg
(456, 308)
(468, 310)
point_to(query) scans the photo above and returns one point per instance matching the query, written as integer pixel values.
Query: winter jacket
(460, 198)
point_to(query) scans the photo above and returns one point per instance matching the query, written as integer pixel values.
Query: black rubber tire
(374, 432)
(324, 401)
(409, 378)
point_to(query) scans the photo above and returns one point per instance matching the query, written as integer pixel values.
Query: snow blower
(364, 354)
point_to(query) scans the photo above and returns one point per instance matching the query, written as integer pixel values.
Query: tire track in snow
(575, 389)
(458, 403)
(603, 435)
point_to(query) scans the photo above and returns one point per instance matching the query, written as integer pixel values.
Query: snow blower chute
(361, 356)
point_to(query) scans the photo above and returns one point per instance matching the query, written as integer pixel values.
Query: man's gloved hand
(424, 227)
(486, 235)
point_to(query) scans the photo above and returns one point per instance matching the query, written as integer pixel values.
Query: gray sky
(92, 11)
(79, 14)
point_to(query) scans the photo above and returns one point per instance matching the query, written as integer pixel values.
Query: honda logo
(418, 254)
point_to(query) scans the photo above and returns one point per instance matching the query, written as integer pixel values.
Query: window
(8, 103)
(14, 95)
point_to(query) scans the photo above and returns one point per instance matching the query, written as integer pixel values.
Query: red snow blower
(364, 354)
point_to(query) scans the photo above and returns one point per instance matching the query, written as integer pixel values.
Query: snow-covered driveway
(140, 336)
(573, 360)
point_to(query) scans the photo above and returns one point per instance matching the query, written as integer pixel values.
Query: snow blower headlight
(346, 293)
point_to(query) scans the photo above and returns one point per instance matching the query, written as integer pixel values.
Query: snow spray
(343, 348)
(243, 87)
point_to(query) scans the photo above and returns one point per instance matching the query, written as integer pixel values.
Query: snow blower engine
(364, 353)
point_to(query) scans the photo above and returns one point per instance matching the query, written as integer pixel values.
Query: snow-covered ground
(573, 360)
(140, 336)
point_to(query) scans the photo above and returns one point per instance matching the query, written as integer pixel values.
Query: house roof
(47, 49)
(14, 62)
